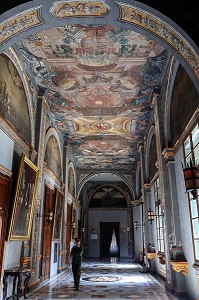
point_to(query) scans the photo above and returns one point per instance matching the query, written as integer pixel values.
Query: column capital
(140, 147)
(66, 143)
(46, 105)
(168, 154)
(156, 93)
(42, 96)
(136, 202)
(147, 187)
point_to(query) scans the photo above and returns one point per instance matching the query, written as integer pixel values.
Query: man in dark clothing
(76, 254)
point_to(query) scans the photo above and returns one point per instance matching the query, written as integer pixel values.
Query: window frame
(190, 196)
(189, 135)
(159, 218)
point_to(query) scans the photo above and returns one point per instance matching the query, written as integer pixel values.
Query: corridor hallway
(105, 279)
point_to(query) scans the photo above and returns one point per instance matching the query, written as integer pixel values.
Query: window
(194, 212)
(191, 151)
(159, 217)
(191, 147)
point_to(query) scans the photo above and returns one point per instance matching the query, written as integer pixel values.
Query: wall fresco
(108, 197)
(13, 102)
(52, 156)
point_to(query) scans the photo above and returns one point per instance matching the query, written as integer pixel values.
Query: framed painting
(58, 215)
(24, 199)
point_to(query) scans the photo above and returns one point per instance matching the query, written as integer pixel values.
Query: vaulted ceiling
(99, 81)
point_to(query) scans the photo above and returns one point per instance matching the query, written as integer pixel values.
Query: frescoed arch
(53, 153)
(71, 180)
(35, 16)
(16, 102)
(94, 174)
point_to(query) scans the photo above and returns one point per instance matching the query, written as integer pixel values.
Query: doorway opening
(109, 239)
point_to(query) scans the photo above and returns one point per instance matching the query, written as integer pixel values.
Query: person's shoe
(77, 289)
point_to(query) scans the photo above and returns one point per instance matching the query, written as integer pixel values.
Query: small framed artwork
(24, 200)
(58, 215)
(93, 236)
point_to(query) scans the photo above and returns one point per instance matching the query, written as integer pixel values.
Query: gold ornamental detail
(19, 23)
(79, 8)
(159, 28)
(168, 153)
(180, 267)
(151, 255)
(147, 187)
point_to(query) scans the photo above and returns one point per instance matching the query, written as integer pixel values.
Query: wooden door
(49, 205)
(5, 183)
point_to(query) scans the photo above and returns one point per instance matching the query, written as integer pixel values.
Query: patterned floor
(109, 279)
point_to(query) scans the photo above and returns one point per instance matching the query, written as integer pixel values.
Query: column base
(175, 291)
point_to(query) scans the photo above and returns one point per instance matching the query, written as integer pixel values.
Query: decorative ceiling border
(159, 28)
(65, 9)
(20, 22)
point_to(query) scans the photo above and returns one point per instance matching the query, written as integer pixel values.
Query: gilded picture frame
(57, 224)
(24, 200)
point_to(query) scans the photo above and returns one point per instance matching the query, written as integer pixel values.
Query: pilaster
(168, 194)
(147, 205)
(163, 178)
(65, 176)
(40, 144)
(177, 282)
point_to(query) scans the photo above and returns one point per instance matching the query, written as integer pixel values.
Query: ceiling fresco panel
(99, 81)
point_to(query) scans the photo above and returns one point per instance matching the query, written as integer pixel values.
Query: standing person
(76, 254)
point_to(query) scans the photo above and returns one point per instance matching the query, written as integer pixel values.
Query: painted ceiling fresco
(99, 82)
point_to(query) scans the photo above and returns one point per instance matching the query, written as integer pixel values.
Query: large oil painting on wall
(13, 103)
(52, 156)
(23, 206)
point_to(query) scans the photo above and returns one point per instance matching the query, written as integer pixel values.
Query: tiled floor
(107, 279)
